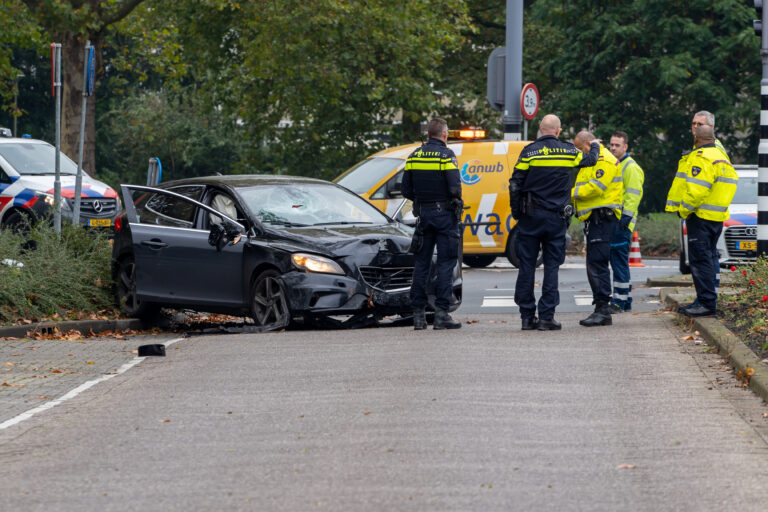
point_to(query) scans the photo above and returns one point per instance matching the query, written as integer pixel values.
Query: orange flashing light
(470, 133)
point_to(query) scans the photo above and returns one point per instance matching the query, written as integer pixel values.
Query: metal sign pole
(762, 157)
(79, 179)
(57, 181)
(513, 70)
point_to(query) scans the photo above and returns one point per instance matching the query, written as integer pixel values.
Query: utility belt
(564, 211)
(440, 205)
(599, 215)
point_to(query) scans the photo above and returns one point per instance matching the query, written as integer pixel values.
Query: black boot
(444, 321)
(601, 316)
(419, 320)
(549, 324)
(530, 323)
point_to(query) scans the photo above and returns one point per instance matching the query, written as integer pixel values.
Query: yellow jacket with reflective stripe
(675, 193)
(633, 177)
(599, 186)
(709, 186)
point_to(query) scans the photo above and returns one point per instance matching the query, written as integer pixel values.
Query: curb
(20, 331)
(682, 280)
(730, 346)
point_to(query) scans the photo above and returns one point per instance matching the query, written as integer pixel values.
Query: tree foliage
(646, 67)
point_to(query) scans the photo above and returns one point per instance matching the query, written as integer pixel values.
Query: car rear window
(36, 158)
(362, 177)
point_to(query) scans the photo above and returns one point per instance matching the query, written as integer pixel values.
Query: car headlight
(315, 263)
(49, 200)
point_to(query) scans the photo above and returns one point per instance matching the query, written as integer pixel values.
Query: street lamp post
(16, 102)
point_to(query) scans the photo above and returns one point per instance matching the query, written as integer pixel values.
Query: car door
(174, 261)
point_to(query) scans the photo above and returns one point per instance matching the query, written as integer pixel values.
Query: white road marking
(499, 302)
(582, 300)
(79, 389)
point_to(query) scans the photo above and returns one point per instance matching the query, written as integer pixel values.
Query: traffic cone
(635, 258)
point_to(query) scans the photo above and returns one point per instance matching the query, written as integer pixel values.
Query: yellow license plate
(100, 222)
(747, 245)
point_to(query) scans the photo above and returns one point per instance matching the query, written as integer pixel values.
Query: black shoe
(681, 310)
(444, 321)
(616, 309)
(601, 316)
(419, 320)
(549, 324)
(530, 323)
(699, 310)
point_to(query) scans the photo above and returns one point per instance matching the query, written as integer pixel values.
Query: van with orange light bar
(485, 167)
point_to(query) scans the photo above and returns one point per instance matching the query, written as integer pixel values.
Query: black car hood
(357, 244)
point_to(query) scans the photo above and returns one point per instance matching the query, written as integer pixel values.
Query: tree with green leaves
(646, 67)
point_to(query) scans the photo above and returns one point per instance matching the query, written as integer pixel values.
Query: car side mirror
(221, 235)
(409, 219)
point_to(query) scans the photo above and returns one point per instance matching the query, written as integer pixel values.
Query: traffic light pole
(762, 158)
(513, 71)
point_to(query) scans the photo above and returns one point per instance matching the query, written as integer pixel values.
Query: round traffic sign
(529, 101)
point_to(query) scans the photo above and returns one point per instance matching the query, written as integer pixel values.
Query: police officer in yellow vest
(633, 177)
(597, 199)
(701, 192)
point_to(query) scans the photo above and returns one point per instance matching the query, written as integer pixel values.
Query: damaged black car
(279, 249)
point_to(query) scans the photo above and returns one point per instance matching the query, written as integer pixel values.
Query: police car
(738, 241)
(27, 174)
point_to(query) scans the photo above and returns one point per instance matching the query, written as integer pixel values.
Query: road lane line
(79, 389)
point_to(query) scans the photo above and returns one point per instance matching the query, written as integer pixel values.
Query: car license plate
(100, 222)
(747, 245)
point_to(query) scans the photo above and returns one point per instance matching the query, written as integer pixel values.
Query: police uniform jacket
(633, 177)
(431, 174)
(710, 184)
(676, 191)
(599, 186)
(544, 170)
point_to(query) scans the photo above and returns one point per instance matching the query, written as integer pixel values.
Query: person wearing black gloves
(431, 180)
(540, 197)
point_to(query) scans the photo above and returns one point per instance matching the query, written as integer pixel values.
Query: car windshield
(308, 204)
(746, 191)
(36, 158)
(362, 177)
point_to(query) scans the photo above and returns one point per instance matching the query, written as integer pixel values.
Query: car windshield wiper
(340, 222)
(286, 223)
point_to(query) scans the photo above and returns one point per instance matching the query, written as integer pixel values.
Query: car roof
(245, 180)
(19, 140)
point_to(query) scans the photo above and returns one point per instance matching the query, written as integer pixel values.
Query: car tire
(510, 251)
(479, 260)
(125, 292)
(268, 301)
(17, 221)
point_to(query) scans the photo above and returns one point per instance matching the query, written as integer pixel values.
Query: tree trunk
(72, 61)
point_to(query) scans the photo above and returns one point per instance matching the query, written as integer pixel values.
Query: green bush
(746, 310)
(658, 233)
(43, 274)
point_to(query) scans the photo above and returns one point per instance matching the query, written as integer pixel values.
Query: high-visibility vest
(633, 177)
(675, 193)
(710, 184)
(599, 186)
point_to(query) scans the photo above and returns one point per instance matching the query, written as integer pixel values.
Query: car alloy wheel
(125, 290)
(269, 306)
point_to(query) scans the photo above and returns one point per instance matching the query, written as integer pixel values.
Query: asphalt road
(492, 289)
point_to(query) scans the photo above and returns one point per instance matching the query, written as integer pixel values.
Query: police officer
(633, 177)
(597, 196)
(431, 180)
(704, 117)
(703, 189)
(539, 194)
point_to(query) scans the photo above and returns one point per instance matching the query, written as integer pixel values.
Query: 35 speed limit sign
(529, 101)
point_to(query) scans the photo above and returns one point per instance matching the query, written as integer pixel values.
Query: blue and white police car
(27, 174)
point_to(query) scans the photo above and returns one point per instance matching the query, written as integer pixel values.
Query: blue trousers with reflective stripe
(622, 284)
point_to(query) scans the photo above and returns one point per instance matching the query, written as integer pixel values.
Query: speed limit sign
(529, 101)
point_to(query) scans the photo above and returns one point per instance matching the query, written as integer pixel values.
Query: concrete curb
(730, 346)
(684, 280)
(20, 331)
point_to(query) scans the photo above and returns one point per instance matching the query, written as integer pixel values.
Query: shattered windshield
(308, 204)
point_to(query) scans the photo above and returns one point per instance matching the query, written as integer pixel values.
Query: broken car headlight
(315, 263)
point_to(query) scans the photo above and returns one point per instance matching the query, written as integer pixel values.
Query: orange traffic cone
(635, 258)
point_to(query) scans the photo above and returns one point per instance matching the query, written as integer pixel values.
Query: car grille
(97, 207)
(387, 278)
(735, 234)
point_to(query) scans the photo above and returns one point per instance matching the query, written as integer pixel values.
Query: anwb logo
(471, 172)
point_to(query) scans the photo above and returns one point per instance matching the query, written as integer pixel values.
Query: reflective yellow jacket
(675, 194)
(599, 186)
(709, 186)
(633, 177)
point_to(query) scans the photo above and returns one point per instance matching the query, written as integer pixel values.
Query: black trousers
(598, 231)
(440, 229)
(703, 257)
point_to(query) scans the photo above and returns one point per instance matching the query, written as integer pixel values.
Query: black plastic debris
(155, 349)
